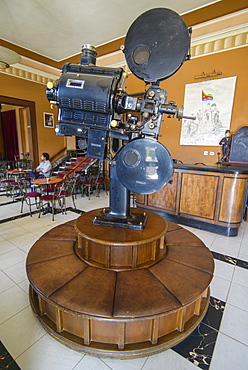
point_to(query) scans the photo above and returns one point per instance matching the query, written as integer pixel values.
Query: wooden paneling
(232, 199)
(167, 196)
(215, 199)
(120, 313)
(140, 198)
(198, 194)
(130, 249)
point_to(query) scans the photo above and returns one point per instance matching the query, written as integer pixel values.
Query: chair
(67, 190)
(50, 200)
(31, 198)
(91, 183)
(5, 184)
(100, 182)
(17, 188)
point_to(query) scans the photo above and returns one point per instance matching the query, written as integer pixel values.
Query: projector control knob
(50, 85)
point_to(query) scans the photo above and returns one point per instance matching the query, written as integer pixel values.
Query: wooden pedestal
(119, 292)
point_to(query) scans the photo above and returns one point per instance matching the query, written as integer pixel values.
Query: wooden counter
(211, 198)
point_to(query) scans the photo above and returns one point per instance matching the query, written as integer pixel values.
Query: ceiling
(57, 29)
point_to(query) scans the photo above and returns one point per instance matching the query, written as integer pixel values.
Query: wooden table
(16, 173)
(119, 292)
(47, 181)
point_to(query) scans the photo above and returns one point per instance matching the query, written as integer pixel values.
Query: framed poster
(48, 120)
(210, 103)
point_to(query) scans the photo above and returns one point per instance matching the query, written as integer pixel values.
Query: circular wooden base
(119, 293)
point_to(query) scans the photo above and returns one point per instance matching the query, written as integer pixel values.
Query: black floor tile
(6, 361)
(198, 347)
(214, 313)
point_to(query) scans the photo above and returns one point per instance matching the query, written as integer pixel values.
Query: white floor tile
(5, 282)
(131, 364)
(22, 240)
(20, 332)
(168, 360)
(243, 257)
(245, 235)
(229, 354)
(6, 246)
(235, 323)
(12, 231)
(48, 353)
(25, 338)
(34, 225)
(12, 301)
(237, 238)
(21, 222)
(17, 272)
(238, 296)
(244, 249)
(223, 270)
(219, 288)
(93, 363)
(207, 237)
(240, 276)
(228, 247)
(5, 227)
(12, 258)
(24, 285)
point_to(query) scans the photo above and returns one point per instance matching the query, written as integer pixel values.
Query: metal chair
(67, 190)
(31, 199)
(50, 200)
(17, 188)
(5, 184)
(91, 183)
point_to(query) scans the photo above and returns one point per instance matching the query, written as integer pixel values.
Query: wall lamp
(8, 57)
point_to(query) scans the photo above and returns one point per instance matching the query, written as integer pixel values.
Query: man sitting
(43, 170)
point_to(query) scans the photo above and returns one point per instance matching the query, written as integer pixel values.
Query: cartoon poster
(210, 103)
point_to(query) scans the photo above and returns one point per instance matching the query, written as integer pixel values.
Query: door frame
(31, 123)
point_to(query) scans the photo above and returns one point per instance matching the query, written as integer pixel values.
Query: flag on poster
(206, 96)
(209, 103)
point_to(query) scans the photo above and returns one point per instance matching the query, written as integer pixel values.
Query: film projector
(119, 282)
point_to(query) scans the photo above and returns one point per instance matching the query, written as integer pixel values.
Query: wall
(15, 87)
(230, 63)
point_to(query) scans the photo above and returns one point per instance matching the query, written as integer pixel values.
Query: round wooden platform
(118, 292)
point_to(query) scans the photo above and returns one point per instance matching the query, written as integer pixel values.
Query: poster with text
(210, 103)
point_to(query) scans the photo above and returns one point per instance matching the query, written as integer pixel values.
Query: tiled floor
(219, 342)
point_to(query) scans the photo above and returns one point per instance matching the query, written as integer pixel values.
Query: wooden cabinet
(211, 198)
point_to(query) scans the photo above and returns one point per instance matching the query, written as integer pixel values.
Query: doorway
(29, 115)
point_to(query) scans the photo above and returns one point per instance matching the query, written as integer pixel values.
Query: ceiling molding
(29, 74)
(202, 44)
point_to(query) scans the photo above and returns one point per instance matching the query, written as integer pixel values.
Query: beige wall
(230, 63)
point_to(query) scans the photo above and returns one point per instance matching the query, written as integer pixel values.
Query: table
(119, 292)
(16, 173)
(17, 184)
(47, 181)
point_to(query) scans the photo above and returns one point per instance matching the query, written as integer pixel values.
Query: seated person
(44, 169)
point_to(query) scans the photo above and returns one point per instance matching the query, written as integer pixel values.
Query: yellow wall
(15, 87)
(230, 63)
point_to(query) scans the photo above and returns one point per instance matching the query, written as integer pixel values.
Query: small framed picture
(48, 120)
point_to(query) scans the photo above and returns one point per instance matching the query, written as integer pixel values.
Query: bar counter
(211, 198)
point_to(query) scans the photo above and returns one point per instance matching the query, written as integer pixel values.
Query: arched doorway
(31, 123)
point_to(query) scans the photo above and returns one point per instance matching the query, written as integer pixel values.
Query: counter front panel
(211, 198)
